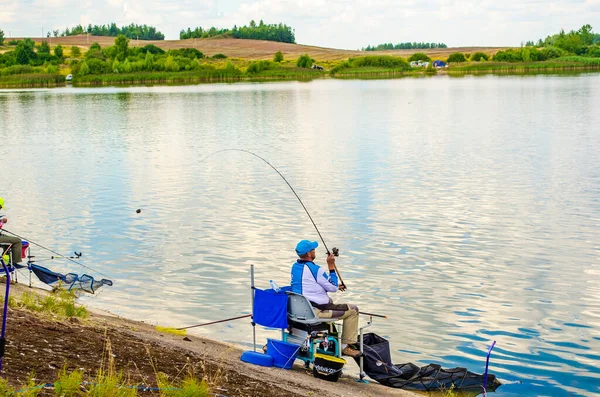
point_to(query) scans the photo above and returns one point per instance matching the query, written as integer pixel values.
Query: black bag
(377, 363)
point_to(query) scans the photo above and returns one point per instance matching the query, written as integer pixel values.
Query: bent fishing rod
(77, 254)
(335, 251)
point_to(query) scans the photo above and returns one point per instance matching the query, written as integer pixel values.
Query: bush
(278, 57)
(75, 52)
(52, 69)
(84, 69)
(457, 57)
(594, 51)
(552, 52)
(97, 66)
(510, 55)
(419, 56)
(219, 56)
(18, 69)
(381, 61)
(480, 56)
(190, 53)
(304, 61)
(258, 66)
(152, 49)
(171, 65)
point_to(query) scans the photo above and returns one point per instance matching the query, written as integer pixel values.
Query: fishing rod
(78, 254)
(335, 251)
(215, 322)
(250, 315)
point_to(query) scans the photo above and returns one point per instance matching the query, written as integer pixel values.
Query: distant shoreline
(185, 78)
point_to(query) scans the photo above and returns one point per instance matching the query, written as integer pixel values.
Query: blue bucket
(283, 353)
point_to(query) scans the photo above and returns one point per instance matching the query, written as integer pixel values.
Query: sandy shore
(43, 345)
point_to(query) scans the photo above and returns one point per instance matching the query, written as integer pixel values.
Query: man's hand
(331, 265)
(4, 220)
(331, 262)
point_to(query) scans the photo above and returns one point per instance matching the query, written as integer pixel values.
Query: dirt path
(44, 345)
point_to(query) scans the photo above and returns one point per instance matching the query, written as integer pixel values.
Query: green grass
(68, 384)
(32, 80)
(60, 303)
(570, 63)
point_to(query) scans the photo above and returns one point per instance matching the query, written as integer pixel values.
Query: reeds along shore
(236, 70)
(224, 76)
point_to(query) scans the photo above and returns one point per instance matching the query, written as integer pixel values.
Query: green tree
(419, 56)
(75, 52)
(95, 47)
(171, 65)
(121, 45)
(587, 35)
(58, 51)
(149, 61)
(278, 57)
(457, 57)
(84, 69)
(44, 48)
(1, 37)
(24, 53)
(304, 61)
(127, 66)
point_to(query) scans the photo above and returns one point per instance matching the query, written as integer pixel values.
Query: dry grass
(258, 49)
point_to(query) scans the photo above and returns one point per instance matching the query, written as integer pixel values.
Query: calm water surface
(466, 209)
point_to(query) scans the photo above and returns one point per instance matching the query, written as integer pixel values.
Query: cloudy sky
(328, 23)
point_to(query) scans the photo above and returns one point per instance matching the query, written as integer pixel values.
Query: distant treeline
(272, 32)
(404, 46)
(133, 31)
(576, 41)
(583, 43)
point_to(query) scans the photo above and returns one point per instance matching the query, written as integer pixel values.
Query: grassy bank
(55, 347)
(368, 67)
(564, 64)
(32, 80)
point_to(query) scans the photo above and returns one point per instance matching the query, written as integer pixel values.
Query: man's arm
(328, 282)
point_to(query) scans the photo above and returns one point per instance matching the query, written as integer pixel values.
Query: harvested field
(259, 49)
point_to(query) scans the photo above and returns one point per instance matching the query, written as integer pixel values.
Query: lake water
(465, 209)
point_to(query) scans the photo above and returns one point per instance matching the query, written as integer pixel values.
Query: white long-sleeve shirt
(313, 282)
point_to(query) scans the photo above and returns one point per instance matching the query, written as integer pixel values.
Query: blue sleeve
(328, 282)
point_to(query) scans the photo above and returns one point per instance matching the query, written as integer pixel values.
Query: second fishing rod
(334, 251)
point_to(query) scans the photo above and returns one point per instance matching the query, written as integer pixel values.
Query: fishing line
(293, 191)
(56, 253)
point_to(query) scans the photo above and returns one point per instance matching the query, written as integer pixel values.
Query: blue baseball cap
(305, 246)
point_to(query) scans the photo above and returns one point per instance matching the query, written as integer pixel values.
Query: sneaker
(348, 351)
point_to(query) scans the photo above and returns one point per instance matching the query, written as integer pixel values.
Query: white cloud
(333, 23)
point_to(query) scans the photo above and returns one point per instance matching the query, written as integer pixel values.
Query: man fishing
(314, 283)
(15, 242)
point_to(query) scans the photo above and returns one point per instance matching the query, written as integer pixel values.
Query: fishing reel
(335, 251)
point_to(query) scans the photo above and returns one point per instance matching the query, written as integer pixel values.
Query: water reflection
(465, 209)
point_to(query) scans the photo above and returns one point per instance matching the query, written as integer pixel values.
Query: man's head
(306, 249)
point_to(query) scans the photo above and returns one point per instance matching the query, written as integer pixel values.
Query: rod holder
(361, 375)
